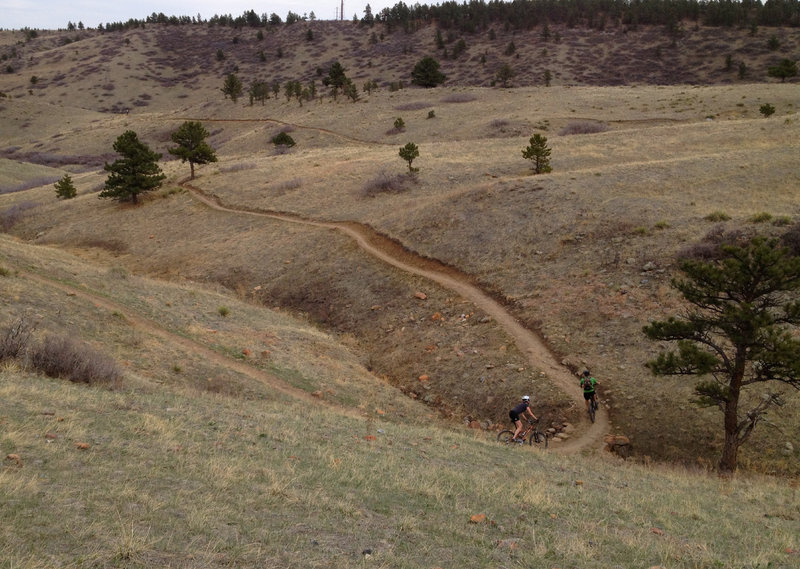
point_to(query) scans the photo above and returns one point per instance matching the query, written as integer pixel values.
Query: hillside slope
(582, 255)
(190, 461)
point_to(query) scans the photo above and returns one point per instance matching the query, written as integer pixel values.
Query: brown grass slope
(203, 455)
(583, 255)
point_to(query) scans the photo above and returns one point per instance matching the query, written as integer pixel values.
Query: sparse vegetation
(584, 258)
(583, 127)
(14, 340)
(63, 357)
(761, 217)
(387, 184)
(717, 216)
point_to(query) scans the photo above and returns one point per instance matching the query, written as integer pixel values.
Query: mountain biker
(588, 383)
(521, 409)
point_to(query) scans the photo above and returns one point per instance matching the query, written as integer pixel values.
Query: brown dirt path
(588, 435)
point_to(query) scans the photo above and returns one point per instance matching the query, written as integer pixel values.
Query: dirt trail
(588, 435)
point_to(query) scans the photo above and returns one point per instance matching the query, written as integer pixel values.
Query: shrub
(766, 109)
(11, 216)
(431, 114)
(791, 239)
(386, 184)
(61, 356)
(459, 98)
(399, 124)
(223, 311)
(717, 216)
(283, 139)
(14, 340)
(583, 127)
(761, 217)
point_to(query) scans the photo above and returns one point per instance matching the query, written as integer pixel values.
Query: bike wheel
(591, 412)
(538, 438)
(505, 437)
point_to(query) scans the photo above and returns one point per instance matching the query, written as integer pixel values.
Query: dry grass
(193, 480)
(212, 452)
(565, 251)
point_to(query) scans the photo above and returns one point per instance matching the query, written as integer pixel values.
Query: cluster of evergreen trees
(477, 15)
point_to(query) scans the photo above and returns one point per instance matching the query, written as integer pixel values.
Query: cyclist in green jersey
(588, 383)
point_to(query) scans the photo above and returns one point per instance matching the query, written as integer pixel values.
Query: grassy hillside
(583, 256)
(188, 462)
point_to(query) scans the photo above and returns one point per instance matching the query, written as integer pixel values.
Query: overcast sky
(55, 14)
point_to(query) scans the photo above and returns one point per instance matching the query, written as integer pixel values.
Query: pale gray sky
(55, 14)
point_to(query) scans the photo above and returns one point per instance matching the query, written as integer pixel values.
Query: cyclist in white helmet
(521, 409)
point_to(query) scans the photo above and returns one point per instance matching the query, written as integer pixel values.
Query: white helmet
(526, 397)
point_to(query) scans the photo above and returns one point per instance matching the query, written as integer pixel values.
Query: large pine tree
(739, 331)
(137, 171)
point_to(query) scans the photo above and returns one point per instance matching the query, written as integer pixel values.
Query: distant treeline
(478, 15)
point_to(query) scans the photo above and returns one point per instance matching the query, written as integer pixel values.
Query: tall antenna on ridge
(341, 12)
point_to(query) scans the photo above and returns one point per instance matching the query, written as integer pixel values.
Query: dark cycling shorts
(588, 394)
(514, 416)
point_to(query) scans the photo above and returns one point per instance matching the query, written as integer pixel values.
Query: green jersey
(588, 384)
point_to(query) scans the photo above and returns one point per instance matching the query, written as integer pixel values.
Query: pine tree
(539, 153)
(65, 189)
(426, 73)
(136, 172)
(192, 146)
(408, 153)
(232, 87)
(740, 330)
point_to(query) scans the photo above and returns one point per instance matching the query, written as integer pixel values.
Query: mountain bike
(592, 408)
(531, 433)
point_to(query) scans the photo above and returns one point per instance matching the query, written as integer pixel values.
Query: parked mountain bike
(531, 433)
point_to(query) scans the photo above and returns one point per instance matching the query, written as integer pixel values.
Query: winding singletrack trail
(588, 435)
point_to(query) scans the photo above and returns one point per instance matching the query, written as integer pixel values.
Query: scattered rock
(421, 295)
(370, 438)
(512, 543)
(83, 446)
(317, 394)
(618, 444)
(16, 458)
(50, 436)
(657, 531)
(478, 519)
(424, 377)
